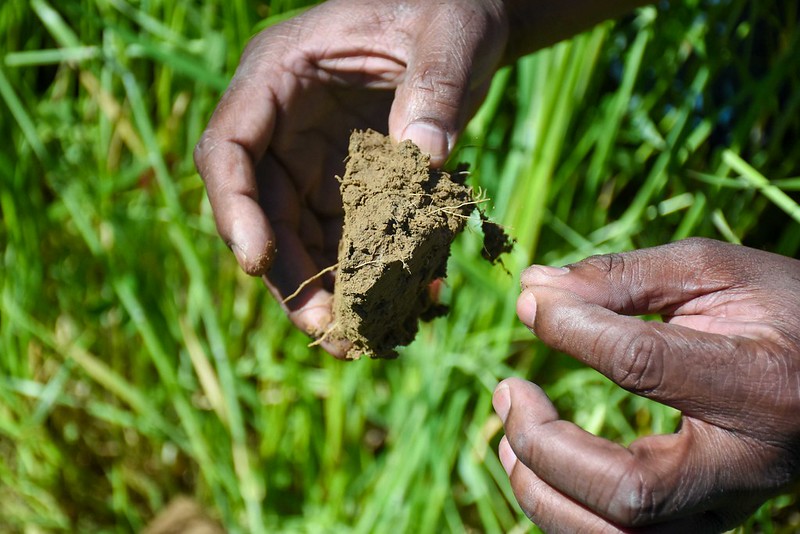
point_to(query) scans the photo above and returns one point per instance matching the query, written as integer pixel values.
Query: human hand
(727, 356)
(279, 135)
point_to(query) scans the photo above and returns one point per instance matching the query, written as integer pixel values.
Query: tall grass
(139, 363)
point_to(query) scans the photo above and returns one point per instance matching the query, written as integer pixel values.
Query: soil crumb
(495, 240)
(400, 219)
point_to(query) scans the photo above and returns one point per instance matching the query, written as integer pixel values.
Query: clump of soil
(400, 220)
(495, 240)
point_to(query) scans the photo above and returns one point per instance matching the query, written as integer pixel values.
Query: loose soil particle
(400, 220)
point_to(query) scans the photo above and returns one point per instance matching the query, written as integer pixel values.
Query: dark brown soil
(400, 220)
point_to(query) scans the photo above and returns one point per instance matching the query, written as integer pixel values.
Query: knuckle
(699, 244)
(715, 260)
(520, 435)
(625, 272)
(618, 268)
(199, 154)
(202, 153)
(253, 44)
(639, 363)
(530, 495)
(605, 263)
(636, 501)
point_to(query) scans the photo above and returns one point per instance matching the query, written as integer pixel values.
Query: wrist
(537, 24)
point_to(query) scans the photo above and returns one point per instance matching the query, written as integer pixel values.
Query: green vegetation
(137, 362)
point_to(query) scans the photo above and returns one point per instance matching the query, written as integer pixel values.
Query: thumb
(427, 103)
(435, 97)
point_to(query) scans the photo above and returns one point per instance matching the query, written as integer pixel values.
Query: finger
(311, 310)
(299, 275)
(301, 285)
(598, 473)
(647, 280)
(295, 280)
(702, 284)
(672, 364)
(431, 102)
(554, 512)
(657, 479)
(550, 510)
(226, 155)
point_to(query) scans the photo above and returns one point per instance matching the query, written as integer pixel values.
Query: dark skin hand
(279, 135)
(727, 356)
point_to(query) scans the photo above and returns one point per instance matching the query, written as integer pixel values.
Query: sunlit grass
(139, 363)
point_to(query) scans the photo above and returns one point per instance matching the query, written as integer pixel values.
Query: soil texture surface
(400, 219)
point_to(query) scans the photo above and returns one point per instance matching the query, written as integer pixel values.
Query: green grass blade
(757, 180)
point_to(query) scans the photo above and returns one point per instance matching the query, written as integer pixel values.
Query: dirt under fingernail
(400, 220)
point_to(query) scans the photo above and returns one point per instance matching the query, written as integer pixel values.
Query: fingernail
(501, 401)
(551, 271)
(240, 254)
(507, 456)
(526, 308)
(534, 274)
(430, 139)
(255, 266)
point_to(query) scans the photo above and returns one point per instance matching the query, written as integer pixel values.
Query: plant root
(302, 286)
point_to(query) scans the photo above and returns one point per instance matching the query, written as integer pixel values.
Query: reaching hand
(278, 137)
(727, 356)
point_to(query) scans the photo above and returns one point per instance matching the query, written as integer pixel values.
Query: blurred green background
(137, 363)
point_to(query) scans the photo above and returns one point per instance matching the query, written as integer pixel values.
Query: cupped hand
(279, 135)
(727, 356)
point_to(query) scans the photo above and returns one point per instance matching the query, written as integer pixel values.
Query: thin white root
(452, 209)
(321, 339)
(304, 284)
(371, 262)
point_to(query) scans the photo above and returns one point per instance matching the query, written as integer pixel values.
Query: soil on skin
(400, 220)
